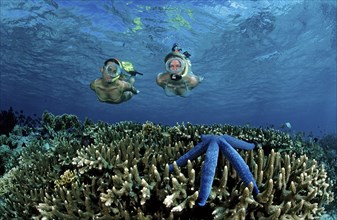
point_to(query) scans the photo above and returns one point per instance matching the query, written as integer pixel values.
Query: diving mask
(113, 70)
(175, 65)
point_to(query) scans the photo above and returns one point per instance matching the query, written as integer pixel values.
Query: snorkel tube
(128, 67)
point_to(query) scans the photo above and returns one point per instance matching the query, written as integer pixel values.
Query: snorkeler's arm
(92, 85)
(158, 81)
(131, 80)
(200, 79)
(194, 81)
(162, 79)
(131, 88)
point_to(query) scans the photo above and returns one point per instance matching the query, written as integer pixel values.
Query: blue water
(264, 62)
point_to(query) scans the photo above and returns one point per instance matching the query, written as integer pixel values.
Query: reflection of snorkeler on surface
(113, 87)
(178, 79)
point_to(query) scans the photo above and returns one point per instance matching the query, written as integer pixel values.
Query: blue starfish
(212, 144)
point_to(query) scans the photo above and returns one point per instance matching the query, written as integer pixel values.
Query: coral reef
(16, 132)
(329, 145)
(68, 178)
(6, 182)
(121, 171)
(5, 155)
(9, 118)
(7, 121)
(52, 124)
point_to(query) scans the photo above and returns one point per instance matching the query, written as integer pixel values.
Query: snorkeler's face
(111, 71)
(175, 65)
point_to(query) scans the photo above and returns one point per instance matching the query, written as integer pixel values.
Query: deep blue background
(264, 62)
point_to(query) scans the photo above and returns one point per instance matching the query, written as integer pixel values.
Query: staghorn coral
(6, 182)
(63, 122)
(150, 128)
(5, 156)
(68, 177)
(292, 188)
(124, 174)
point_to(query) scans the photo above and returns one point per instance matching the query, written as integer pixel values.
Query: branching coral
(67, 178)
(6, 182)
(291, 188)
(58, 123)
(124, 174)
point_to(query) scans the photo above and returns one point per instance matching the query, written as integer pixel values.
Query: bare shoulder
(197, 78)
(96, 83)
(93, 84)
(194, 80)
(162, 77)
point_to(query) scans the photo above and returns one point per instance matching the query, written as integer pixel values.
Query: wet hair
(173, 54)
(111, 60)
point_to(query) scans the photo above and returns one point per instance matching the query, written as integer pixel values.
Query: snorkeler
(114, 87)
(178, 78)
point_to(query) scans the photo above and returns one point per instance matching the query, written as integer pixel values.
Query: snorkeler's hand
(134, 90)
(176, 48)
(187, 54)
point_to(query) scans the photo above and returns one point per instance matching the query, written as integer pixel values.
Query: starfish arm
(208, 172)
(208, 137)
(237, 143)
(195, 152)
(238, 163)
